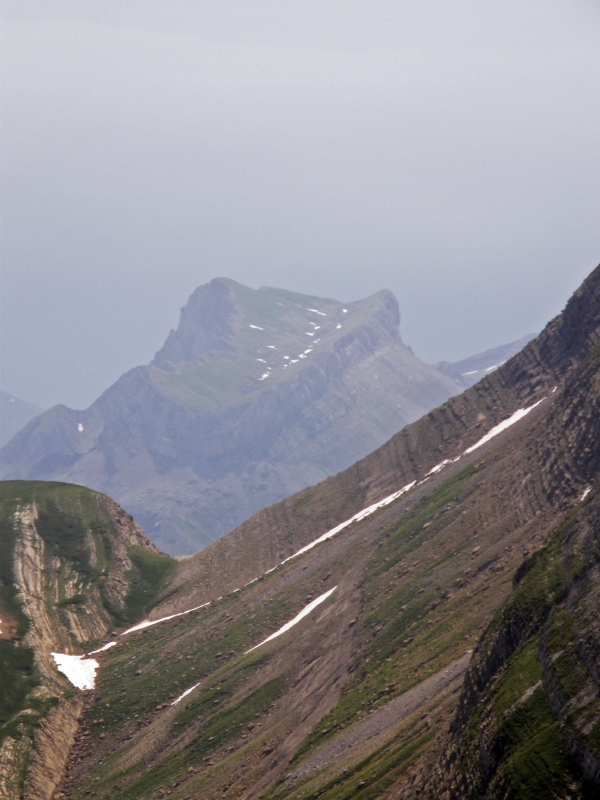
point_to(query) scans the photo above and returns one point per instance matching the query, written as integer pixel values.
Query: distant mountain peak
(220, 314)
(14, 415)
(256, 394)
(204, 324)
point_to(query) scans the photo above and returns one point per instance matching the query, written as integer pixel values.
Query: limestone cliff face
(256, 395)
(213, 304)
(67, 573)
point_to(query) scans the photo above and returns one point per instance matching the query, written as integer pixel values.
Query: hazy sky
(448, 151)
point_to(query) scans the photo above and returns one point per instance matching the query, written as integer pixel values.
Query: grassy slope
(419, 582)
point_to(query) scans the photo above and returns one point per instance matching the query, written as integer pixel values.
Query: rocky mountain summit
(423, 624)
(257, 394)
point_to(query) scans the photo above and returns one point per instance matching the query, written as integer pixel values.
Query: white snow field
(185, 694)
(441, 465)
(150, 622)
(356, 518)
(304, 613)
(81, 671)
(502, 426)
(102, 649)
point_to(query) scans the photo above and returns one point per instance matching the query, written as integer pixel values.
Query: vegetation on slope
(424, 578)
(64, 583)
(528, 725)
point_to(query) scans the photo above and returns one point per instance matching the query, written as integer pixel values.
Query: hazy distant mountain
(471, 370)
(257, 394)
(14, 414)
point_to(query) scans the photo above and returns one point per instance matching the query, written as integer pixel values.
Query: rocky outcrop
(128, 535)
(54, 739)
(72, 569)
(215, 305)
(542, 652)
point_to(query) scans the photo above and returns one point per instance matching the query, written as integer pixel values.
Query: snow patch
(344, 310)
(261, 359)
(141, 625)
(366, 512)
(271, 347)
(522, 412)
(264, 376)
(338, 326)
(80, 428)
(257, 327)
(305, 612)
(473, 372)
(308, 333)
(81, 671)
(103, 648)
(185, 694)
(441, 465)
(585, 494)
(314, 310)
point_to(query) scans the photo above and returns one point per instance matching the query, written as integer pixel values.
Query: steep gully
(42, 579)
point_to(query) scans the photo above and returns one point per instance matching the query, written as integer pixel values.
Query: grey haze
(445, 151)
